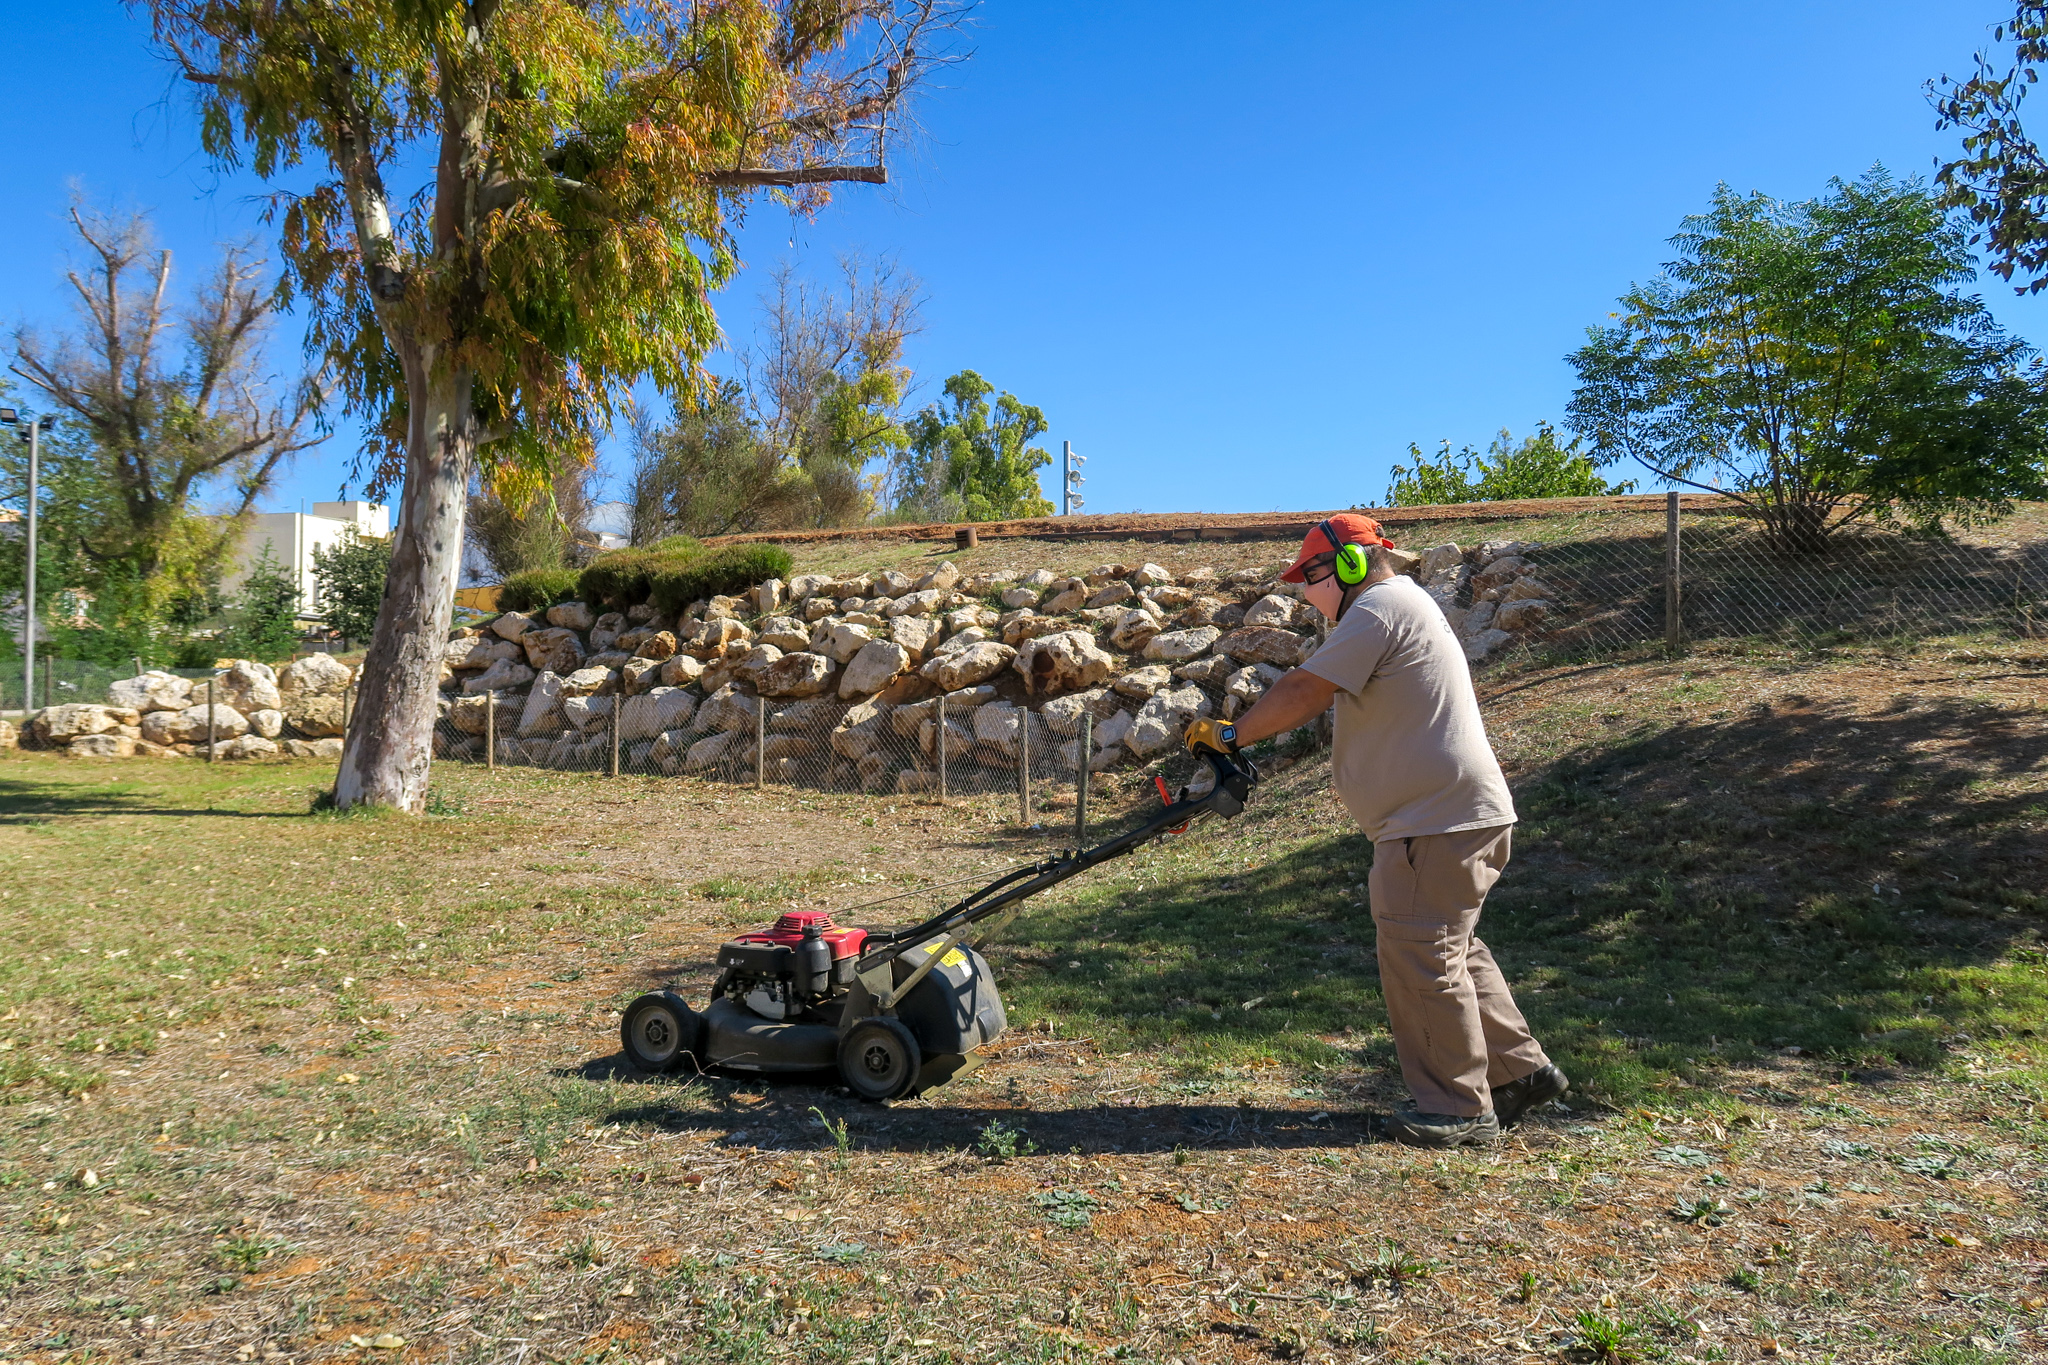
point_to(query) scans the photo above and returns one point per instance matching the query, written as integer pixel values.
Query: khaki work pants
(1456, 1028)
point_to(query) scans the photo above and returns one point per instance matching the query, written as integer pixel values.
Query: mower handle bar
(1235, 777)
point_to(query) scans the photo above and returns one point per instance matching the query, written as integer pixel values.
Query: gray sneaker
(1517, 1098)
(1412, 1128)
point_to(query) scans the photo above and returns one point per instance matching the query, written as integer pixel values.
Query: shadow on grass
(35, 803)
(1863, 887)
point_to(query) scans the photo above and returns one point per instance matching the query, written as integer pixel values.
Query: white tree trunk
(390, 745)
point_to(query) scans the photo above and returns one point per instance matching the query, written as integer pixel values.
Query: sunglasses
(1321, 567)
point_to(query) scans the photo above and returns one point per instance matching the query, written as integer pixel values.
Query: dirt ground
(439, 1157)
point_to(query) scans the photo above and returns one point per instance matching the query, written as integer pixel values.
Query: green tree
(1540, 467)
(581, 165)
(263, 617)
(2001, 179)
(973, 462)
(1814, 362)
(350, 578)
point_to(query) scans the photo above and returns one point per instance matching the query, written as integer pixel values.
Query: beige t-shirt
(1410, 755)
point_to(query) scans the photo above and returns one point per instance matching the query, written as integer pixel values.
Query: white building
(293, 536)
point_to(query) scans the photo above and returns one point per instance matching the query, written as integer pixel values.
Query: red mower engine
(780, 971)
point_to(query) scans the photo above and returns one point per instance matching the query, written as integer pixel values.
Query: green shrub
(625, 578)
(537, 589)
(733, 569)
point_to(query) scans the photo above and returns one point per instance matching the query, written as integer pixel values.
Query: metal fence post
(1024, 774)
(1674, 620)
(942, 748)
(760, 743)
(1081, 757)
(491, 729)
(612, 763)
(209, 720)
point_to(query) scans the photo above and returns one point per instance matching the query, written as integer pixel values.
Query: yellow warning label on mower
(952, 959)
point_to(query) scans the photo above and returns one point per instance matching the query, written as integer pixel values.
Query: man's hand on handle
(1219, 735)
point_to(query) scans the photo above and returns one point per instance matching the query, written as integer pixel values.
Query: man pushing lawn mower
(1412, 764)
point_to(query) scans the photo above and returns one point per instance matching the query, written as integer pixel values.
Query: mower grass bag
(895, 1012)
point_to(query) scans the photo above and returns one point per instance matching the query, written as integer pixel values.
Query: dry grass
(335, 1078)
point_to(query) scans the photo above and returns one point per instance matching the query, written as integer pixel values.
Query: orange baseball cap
(1351, 529)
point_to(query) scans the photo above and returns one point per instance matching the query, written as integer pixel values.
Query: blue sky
(1240, 255)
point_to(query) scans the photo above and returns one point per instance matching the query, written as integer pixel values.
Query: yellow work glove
(1219, 735)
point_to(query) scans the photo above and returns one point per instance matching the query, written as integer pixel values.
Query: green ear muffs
(1351, 563)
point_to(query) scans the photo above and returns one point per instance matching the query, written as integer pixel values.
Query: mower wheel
(879, 1059)
(658, 1032)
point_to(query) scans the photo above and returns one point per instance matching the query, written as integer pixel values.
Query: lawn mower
(895, 1011)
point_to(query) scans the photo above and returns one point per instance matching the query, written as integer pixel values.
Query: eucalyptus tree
(581, 164)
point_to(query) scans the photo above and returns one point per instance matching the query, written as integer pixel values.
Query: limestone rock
(101, 746)
(498, 677)
(645, 717)
(1109, 594)
(894, 583)
(1499, 572)
(10, 735)
(247, 746)
(1151, 575)
(1040, 579)
(313, 748)
(1481, 643)
(1249, 683)
(841, 642)
(553, 650)
(590, 682)
(680, 670)
(922, 603)
(1161, 722)
(786, 633)
(189, 725)
(805, 584)
(588, 712)
(248, 686)
(1167, 597)
(466, 714)
(641, 613)
(861, 731)
(720, 637)
(972, 617)
(999, 724)
(315, 715)
(1101, 574)
(75, 720)
(1263, 645)
(874, 624)
(543, 712)
(754, 661)
(720, 674)
(872, 669)
(1178, 646)
(510, 625)
(1071, 597)
(160, 691)
(268, 724)
(1021, 596)
(1113, 729)
(1134, 630)
(1439, 559)
(605, 632)
(916, 634)
(768, 597)
(1063, 714)
(966, 667)
(818, 608)
(855, 585)
(1480, 618)
(659, 645)
(1521, 613)
(728, 709)
(942, 579)
(1143, 683)
(1062, 662)
(1528, 586)
(796, 674)
(1020, 626)
(324, 675)
(1207, 672)
(1270, 611)
(807, 717)
(709, 752)
(959, 736)
(639, 676)
(571, 616)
